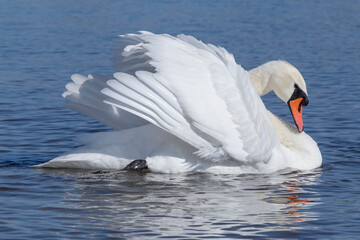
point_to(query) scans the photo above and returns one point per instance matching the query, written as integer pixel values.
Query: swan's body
(182, 105)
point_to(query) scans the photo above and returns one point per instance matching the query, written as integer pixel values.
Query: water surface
(44, 42)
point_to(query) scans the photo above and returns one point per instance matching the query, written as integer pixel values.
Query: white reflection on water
(148, 204)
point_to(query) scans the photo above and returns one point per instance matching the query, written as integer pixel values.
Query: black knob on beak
(305, 101)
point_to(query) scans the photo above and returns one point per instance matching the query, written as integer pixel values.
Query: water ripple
(44, 42)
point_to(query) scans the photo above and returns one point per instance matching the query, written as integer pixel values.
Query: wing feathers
(135, 98)
(84, 95)
(142, 90)
(193, 90)
(131, 94)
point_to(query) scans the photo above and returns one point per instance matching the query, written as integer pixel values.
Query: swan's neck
(261, 78)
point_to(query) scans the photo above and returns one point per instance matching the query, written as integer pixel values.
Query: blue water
(43, 42)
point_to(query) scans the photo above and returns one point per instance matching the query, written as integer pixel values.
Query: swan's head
(289, 85)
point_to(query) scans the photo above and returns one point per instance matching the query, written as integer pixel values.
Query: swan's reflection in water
(294, 200)
(131, 204)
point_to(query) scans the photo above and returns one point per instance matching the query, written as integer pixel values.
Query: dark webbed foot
(100, 172)
(138, 164)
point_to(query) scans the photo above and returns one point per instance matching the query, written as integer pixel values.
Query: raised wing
(84, 95)
(196, 92)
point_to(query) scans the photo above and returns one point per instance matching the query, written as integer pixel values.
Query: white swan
(183, 105)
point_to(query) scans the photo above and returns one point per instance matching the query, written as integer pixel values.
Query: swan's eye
(296, 86)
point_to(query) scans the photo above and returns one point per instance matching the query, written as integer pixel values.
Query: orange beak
(296, 107)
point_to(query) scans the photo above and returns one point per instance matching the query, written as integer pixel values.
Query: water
(44, 42)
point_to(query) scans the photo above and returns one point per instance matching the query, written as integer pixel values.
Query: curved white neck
(260, 78)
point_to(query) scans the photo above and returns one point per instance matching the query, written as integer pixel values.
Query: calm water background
(43, 42)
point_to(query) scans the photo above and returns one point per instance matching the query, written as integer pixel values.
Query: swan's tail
(85, 96)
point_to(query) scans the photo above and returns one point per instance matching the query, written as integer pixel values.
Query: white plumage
(183, 105)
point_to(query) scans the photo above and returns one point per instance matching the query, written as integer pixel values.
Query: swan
(181, 105)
